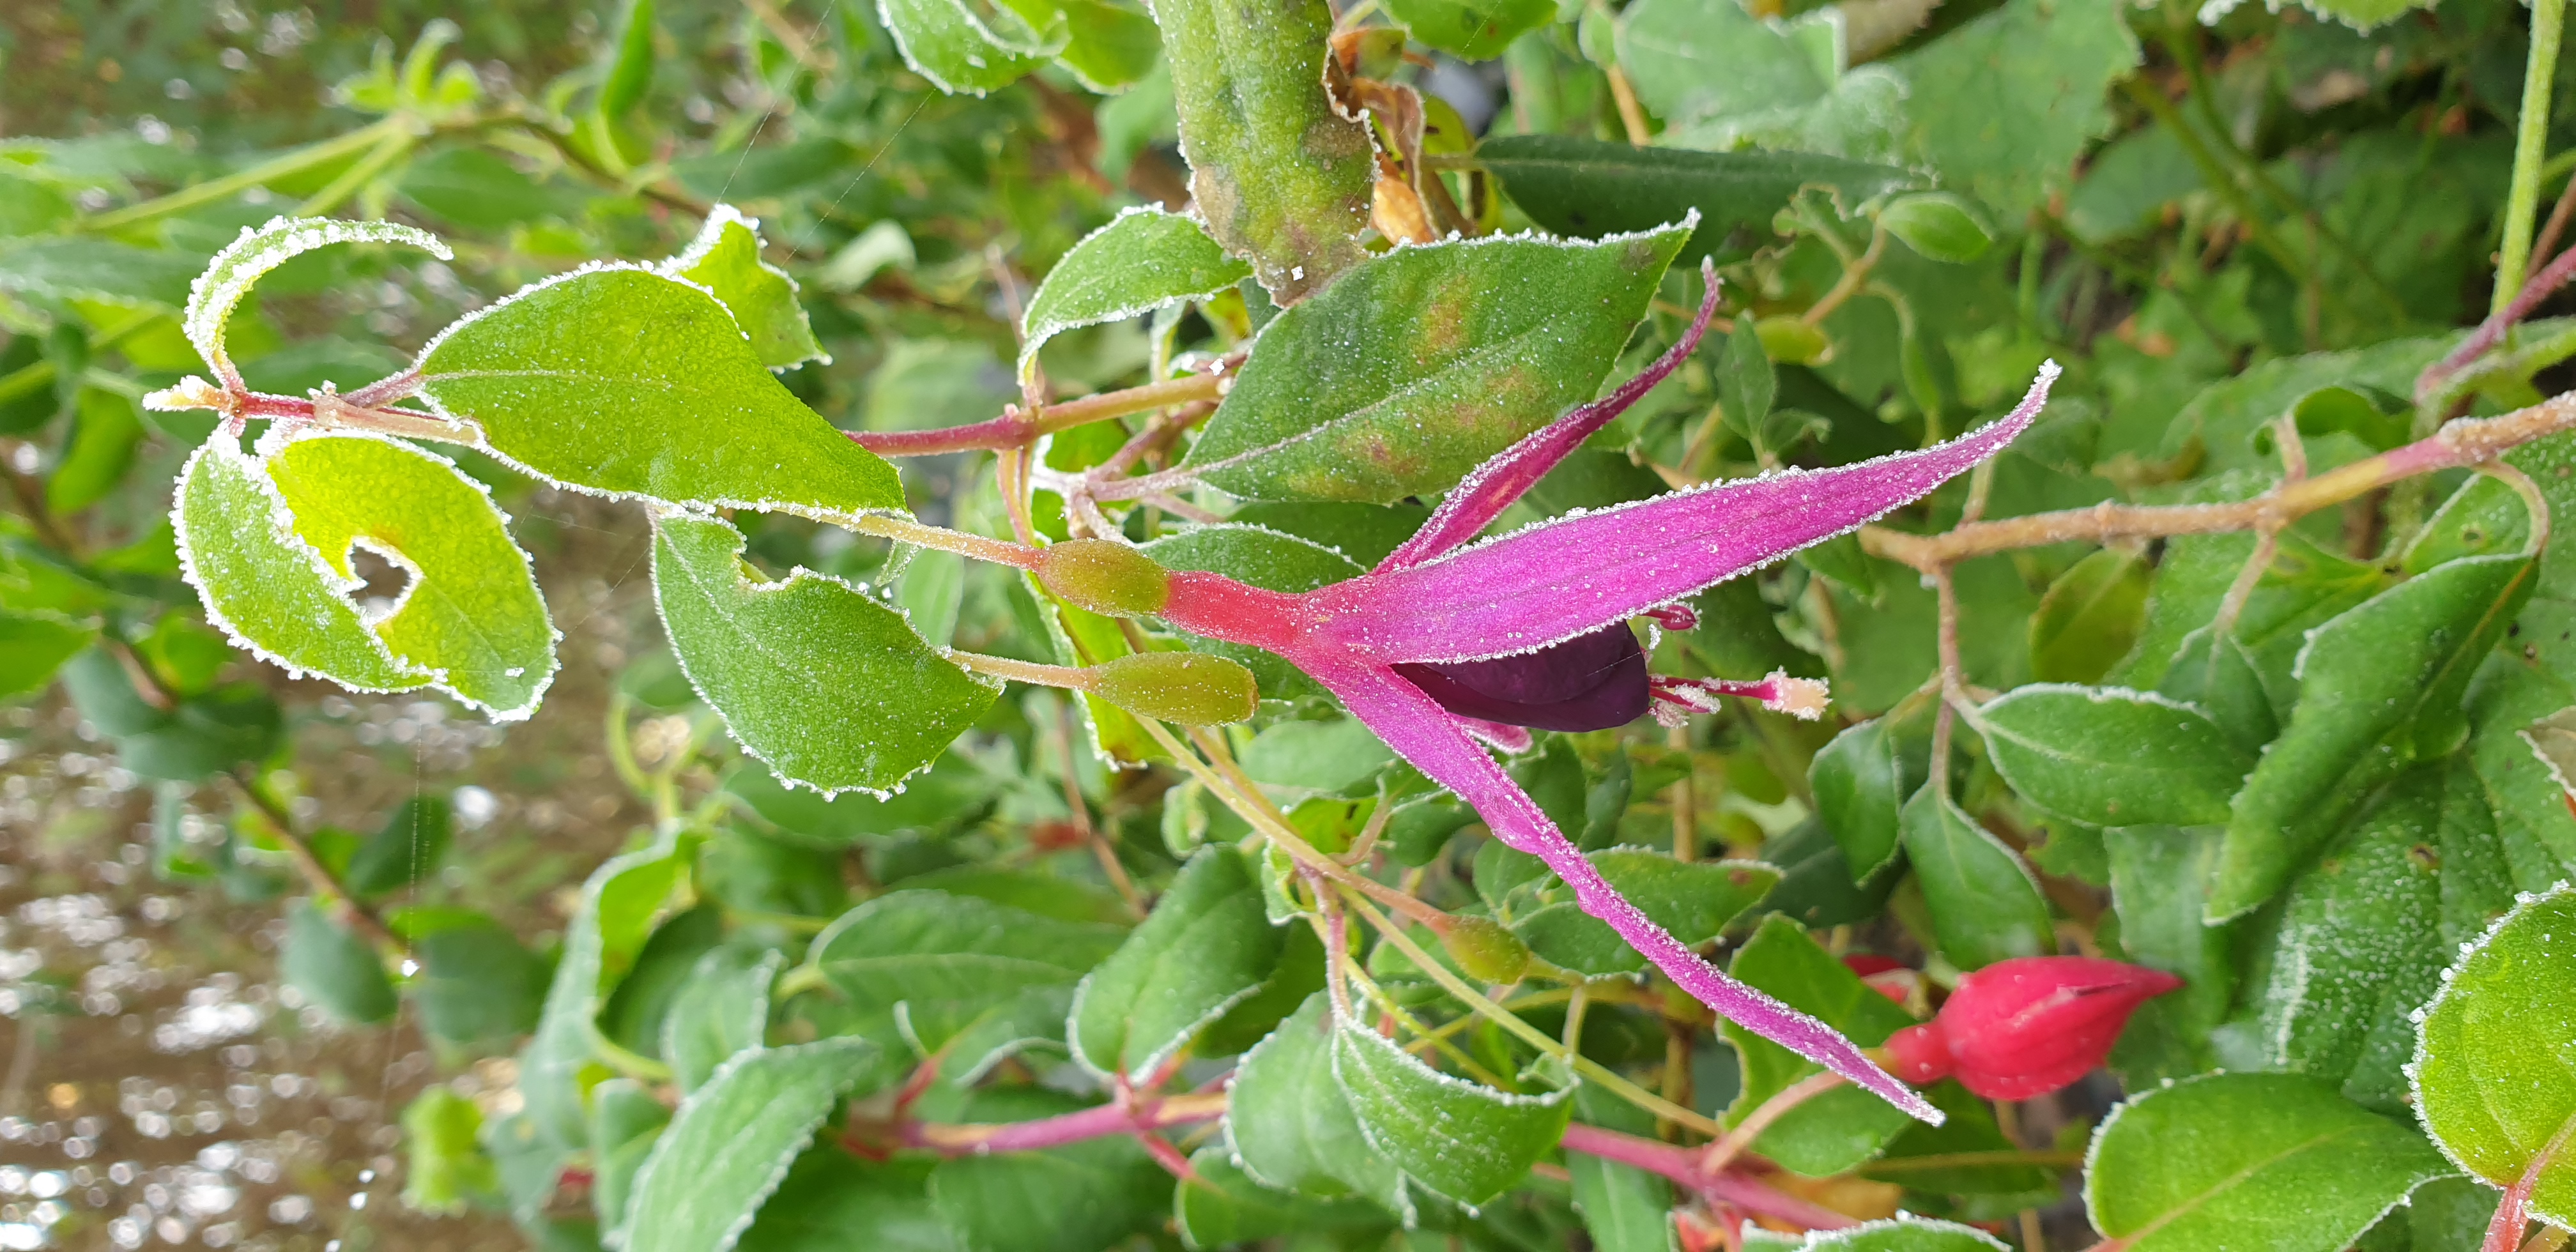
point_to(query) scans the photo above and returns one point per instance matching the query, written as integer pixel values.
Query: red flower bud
(1885, 974)
(2026, 1027)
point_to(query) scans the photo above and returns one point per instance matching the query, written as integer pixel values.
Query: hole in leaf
(384, 581)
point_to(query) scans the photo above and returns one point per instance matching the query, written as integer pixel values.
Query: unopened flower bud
(1103, 576)
(1191, 688)
(1484, 950)
(2028, 1026)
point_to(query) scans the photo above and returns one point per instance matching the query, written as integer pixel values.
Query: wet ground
(161, 1087)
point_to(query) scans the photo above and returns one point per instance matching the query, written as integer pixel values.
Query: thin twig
(316, 875)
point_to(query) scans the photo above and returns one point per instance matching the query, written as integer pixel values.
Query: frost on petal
(1560, 579)
(1416, 727)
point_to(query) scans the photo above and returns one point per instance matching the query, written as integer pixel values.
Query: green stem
(2530, 149)
(29, 379)
(385, 153)
(283, 166)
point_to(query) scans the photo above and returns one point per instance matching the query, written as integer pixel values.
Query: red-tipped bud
(2028, 1026)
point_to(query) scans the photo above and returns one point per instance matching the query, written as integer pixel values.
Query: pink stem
(1055, 1132)
(1682, 1166)
(2504, 1233)
(1493, 486)
(1010, 430)
(2491, 331)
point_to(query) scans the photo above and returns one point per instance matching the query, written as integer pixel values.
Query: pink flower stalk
(1442, 643)
(2027, 1026)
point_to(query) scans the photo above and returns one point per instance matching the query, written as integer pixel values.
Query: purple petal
(1563, 578)
(1418, 729)
(1490, 488)
(1593, 681)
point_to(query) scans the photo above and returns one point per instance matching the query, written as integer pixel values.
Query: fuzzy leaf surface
(2112, 757)
(1985, 905)
(1142, 261)
(2479, 1083)
(1468, 1142)
(725, 259)
(732, 1140)
(1208, 944)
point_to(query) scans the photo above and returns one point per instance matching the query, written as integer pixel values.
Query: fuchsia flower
(1449, 640)
(2027, 1026)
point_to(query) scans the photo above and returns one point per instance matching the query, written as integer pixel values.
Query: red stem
(1010, 430)
(2491, 331)
(1682, 1166)
(2504, 1233)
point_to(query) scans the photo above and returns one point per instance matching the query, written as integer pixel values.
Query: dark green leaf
(333, 967)
(1290, 1124)
(733, 1139)
(477, 983)
(1625, 1209)
(828, 686)
(2048, 66)
(1079, 1198)
(1591, 188)
(2264, 1160)
(1861, 781)
(1462, 348)
(625, 1122)
(405, 850)
(1207, 945)
(943, 960)
(2112, 757)
(831, 1201)
(1691, 900)
(1223, 1206)
(1985, 905)
(2089, 619)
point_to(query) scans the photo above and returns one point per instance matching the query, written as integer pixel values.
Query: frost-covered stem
(1717, 1156)
(1227, 782)
(1067, 677)
(1018, 426)
(295, 162)
(2458, 445)
(317, 875)
(919, 534)
(1591, 1070)
(1953, 681)
(2504, 1233)
(2530, 148)
(2267, 533)
(1682, 1166)
(976, 1139)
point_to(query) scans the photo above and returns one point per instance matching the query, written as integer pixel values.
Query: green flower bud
(1484, 950)
(1790, 341)
(1191, 688)
(1104, 576)
(1937, 225)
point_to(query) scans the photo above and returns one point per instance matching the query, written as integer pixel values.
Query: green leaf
(470, 620)
(733, 1139)
(829, 687)
(2364, 14)
(443, 1166)
(1223, 1207)
(35, 644)
(1696, 60)
(1861, 781)
(405, 850)
(633, 1017)
(106, 429)
(2215, 674)
(2379, 685)
(477, 982)
(207, 732)
(230, 275)
(1280, 177)
(1903, 1234)
(263, 585)
(627, 382)
(1141, 261)
(965, 48)
(618, 904)
(1207, 945)
(920, 966)
(626, 1122)
(1838, 1129)
(2020, 94)
(1290, 1124)
(725, 259)
(1467, 1142)
(2109, 756)
(721, 1010)
(1692, 900)
(2273, 1161)
(1985, 905)
(2489, 1075)
(1476, 30)
(1461, 348)
(2160, 878)
(1079, 1198)
(1326, 756)
(1109, 44)
(831, 1201)
(951, 791)
(479, 190)
(2090, 618)
(96, 269)
(2353, 950)
(1624, 1208)
(334, 967)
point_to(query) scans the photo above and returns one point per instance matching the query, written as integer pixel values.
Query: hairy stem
(1017, 426)
(2459, 445)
